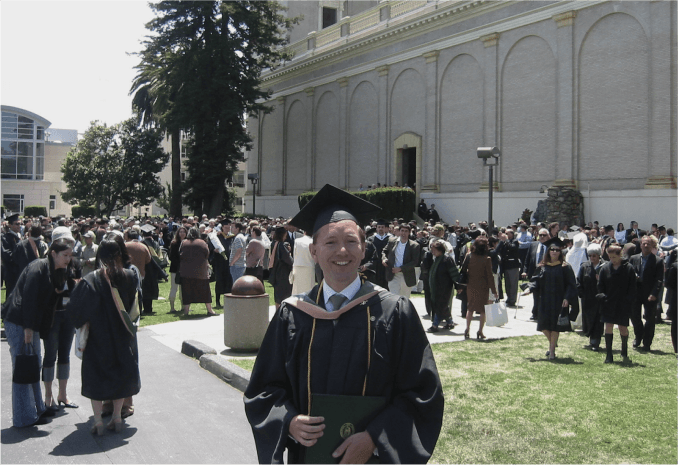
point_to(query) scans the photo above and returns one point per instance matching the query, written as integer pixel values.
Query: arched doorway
(407, 163)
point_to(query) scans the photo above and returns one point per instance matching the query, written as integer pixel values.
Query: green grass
(246, 363)
(505, 403)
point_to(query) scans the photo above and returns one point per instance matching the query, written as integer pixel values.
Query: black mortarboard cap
(382, 222)
(12, 218)
(330, 205)
(147, 228)
(558, 242)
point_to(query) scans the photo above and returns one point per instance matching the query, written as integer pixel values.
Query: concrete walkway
(210, 331)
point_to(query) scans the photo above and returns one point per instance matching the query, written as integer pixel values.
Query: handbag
(563, 320)
(462, 284)
(81, 335)
(496, 314)
(177, 278)
(26, 366)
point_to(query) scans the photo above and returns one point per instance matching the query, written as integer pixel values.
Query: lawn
(505, 403)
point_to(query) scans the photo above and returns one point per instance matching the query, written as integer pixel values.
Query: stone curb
(229, 372)
(196, 349)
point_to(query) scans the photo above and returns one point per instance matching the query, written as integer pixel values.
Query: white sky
(67, 60)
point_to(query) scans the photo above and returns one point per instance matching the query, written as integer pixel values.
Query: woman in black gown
(557, 285)
(110, 361)
(616, 292)
(587, 286)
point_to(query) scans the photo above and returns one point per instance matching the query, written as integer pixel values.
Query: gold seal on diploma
(346, 430)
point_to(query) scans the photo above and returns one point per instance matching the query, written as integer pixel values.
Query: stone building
(578, 94)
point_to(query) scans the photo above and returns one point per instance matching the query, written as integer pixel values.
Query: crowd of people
(66, 273)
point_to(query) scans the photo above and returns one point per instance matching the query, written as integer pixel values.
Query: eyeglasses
(611, 252)
(554, 250)
(543, 235)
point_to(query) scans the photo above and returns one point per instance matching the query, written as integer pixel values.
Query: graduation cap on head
(12, 218)
(382, 222)
(556, 242)
(147, 228)
(331, 205)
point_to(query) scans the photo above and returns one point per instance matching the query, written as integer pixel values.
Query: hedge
(83, 210)
(35, 210)
(392, 200)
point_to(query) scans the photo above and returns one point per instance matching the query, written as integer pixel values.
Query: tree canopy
(114, 166)
(200, 72)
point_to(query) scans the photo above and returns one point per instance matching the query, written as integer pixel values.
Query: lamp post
(254, 178)
(490, 157)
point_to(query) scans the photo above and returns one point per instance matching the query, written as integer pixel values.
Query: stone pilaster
(382, 160)
(565, 169)
(429, 156)
(283, 170)
(491, 136)
(343, 117)
(310, 135)
(661, 170)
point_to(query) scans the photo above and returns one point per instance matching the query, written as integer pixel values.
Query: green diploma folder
(344, 416)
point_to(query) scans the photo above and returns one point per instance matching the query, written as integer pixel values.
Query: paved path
(210, 331)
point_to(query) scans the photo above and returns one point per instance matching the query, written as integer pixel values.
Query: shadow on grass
(557, 360)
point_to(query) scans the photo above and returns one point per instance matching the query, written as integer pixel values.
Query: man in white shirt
(401, 257)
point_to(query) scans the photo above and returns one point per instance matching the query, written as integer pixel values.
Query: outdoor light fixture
(254, 178)
(490, 157)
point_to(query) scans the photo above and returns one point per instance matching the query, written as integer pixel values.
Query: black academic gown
(379, 269)
(110, 362)
(10, 270)
(402, 369)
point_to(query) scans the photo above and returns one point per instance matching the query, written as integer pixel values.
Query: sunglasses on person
(554, 249)
(543, 235)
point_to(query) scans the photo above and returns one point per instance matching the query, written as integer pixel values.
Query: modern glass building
(32, 155)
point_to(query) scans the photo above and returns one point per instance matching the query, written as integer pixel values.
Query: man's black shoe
(533, 318)
(636, 343)
(432, 329)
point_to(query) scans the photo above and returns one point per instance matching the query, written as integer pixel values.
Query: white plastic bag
(496, 314)
(81, 335)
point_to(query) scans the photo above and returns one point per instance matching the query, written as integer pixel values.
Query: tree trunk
(217, 203)
(176, 200)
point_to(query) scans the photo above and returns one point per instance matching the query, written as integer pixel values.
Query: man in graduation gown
(10, 240)
(379, 240)
(344, 337)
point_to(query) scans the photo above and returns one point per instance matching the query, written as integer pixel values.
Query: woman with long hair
(620, 234)
(175, 260)
(480, 289)
(194, 271)
(110, 361)
(557, 288)
(280, 265)
(28, 315)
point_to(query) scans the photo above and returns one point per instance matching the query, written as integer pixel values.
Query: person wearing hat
(345, 337)
(89, 253)
(557, 288)
(10, 239)
(379, 241)
(29, 314)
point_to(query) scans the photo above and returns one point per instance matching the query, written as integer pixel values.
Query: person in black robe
(616, 293)
(220, 265)
(110, 361)
(10, 240)
(379, 241)
(587, 287)
(557, 288)
(371, 344)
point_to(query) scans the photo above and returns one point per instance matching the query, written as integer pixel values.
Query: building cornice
(417, 26)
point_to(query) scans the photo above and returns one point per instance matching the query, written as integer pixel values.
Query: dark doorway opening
(409, 157)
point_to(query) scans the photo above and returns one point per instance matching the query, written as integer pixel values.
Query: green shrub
(35, 210)
(395, 202)
(83, 210)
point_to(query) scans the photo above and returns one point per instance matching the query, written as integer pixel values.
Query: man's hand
(565, 303)
(355, 449)
(396, 270)
(306, 430)
(523, 276)
(651, 298)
